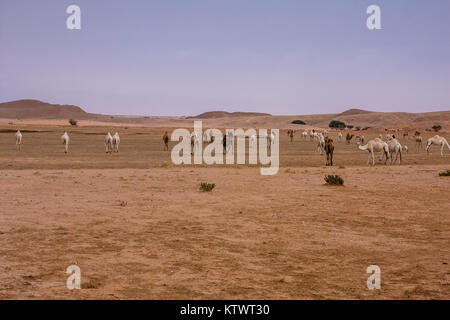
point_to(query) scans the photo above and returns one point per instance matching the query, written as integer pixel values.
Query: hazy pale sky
(185, 57)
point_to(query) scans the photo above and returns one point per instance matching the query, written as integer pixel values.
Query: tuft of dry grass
(207, 186)
(123, 203)
(335, 180)
(445, 173)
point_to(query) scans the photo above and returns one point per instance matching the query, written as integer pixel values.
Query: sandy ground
(139, 227)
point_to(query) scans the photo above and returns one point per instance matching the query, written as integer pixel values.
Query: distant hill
(224, 114)
(35, 109)
(352, 112)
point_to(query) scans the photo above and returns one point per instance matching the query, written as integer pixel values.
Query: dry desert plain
(139, 227)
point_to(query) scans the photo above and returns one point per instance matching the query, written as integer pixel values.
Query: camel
(395, 148)
(329, 149)
(375, 145)
(108, 142)
(230, 142)
(195, 142)
(321, 144)
(405, 147)
(348, 138)
(360, 139)
(305, 134)
(418, 141)
(340, 136)
(116, 142)
(291, 135)
(405, 136)
(316, 136)
(65, 140)
(253, 139)
(224, 142)
(166, 141)
(18, 139)
(207, 136)
(438, 140)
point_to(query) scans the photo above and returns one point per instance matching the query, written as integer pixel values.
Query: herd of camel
(111, 142)
(391, 149)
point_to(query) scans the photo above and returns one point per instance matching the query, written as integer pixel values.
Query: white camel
(230, 142)
(253, 140)
(340, 136)
(405, 147)
(108, 143)
(305, 134)
(321, 144)
(18, 139)
(65, 140)
(316, 136)
(438, 140)
(375, 145)
(395, 148)
(206, 136)
(195, 142)
(116, 142)
(272, 138)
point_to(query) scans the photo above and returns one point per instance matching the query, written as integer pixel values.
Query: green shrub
(334, 180)
(207, 186)
(445, 173)
(336, 124)
(298, 122)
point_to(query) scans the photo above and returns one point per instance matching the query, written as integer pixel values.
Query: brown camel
(418, 142)
(329, 149)
(166, 141)
(348, 138)
(291, 134)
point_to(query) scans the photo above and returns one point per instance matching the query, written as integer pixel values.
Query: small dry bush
(445, 173)
(207, 186)
(335, 180)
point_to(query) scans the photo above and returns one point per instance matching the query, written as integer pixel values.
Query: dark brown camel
(329, 149)
(166, 141)
(348, 138)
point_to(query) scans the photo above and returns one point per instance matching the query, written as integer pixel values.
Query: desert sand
(139, 227)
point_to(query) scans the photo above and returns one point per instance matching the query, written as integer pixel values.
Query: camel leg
(331, 158)
(368, 159)
(442, 150)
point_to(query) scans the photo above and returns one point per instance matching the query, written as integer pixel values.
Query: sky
(185, 57)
